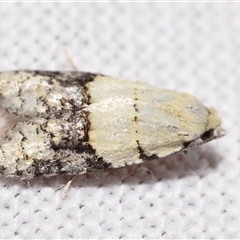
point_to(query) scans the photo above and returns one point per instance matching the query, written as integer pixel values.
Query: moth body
(54, 123)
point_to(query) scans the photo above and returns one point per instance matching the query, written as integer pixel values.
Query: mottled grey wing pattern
(62, 124)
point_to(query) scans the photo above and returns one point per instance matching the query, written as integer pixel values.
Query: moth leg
(70, 60)
(66, 188)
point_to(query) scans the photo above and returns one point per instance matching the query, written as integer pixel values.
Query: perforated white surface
(191, 47)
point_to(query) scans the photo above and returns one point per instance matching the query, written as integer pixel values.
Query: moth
(69, 123)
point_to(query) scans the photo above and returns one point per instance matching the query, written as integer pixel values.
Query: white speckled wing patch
(70, 123)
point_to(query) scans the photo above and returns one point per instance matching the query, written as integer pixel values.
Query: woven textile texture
(190, 47)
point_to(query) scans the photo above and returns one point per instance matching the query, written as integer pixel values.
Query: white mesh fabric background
(191, 47)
